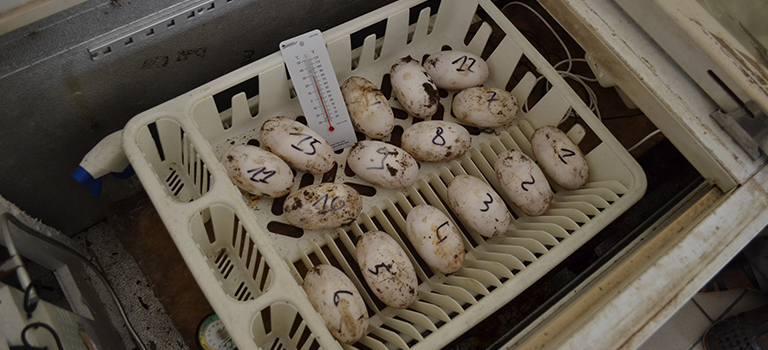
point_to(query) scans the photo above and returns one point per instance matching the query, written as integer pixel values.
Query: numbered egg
(257, 171)
(478, 206)
(368, 108)
(334, 296)
(322, 206)
(414, 88)
(524, 182)
(485, 107)
(387, 269)
(559, 157)
(298, 145)
(456, 70)
(436, 140)
(383, 164)
(435, 238)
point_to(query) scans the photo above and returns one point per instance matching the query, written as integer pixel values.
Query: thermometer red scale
(317, 88)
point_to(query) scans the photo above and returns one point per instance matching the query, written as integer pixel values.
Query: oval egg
(368, 108)
(436, 140)
(334, 296)
(559, 157)
(485, 107)
(257, 171)
(456, 70)
(322, 206)
(478, 206)
(414, 88)
(298, 145)
(524, 182)
(383, 164)
(435, 238)
(387, 269)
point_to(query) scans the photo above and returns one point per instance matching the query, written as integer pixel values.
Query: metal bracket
(747, 125)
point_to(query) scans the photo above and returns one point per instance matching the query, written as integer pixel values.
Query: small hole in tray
(330, 176)
(400, 114)
(302, 119)
(396, 135)
(254, 142)
(364, 190)
(386, 86)
(348, 171)
(306, 180)
(277, 205)
(284, 229)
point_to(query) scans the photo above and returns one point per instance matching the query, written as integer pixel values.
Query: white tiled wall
(685, 328)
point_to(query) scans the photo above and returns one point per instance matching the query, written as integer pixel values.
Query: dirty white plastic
(250, 266)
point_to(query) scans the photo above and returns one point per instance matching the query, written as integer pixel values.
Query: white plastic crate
(251, 268)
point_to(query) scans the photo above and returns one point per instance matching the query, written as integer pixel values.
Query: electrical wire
(580, 79)
(8, 217)
(646, 138)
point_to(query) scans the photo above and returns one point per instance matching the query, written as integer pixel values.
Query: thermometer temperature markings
(311, 71)
(317, 89)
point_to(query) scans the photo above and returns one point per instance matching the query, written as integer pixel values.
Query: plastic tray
(250, 264)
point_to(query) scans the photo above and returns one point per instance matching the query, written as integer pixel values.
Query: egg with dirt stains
(257, 171)
(524, 182)
(298, 145)
(478, 206)
(322, 206)
(383, 164)
(456, 70)
(435, 238)
(334, 296)
(485, 107)
(436, 140)
(414, 88)
(368, 108)
(387, 269)
(559, 157)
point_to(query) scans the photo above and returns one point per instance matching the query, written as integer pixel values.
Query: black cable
(10, 218)
(29, 307)
(40, 324)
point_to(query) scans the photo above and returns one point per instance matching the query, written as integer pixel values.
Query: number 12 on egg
(317, 88)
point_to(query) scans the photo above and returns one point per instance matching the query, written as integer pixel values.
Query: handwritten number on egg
(261, 171)
(533, 181)
(329, 207)
(312, 143)
(464, 60)
(492, 98)
(383, 151)
(437, 232)
(568, 153)
(379, 266)
(439, 139)
(487, 203)
(337, 298)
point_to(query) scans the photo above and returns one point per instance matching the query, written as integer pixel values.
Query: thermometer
(317, 88)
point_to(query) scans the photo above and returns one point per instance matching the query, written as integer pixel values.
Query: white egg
(559, 157)
(387, 269)
(435, 238)
(298, 145)
(436, 140)
(368, 108)
(485, 107)
(383, 164)
(456, 70)
(339, 303)
(478, 206)
(322, 206)
(414, 88)
(257, 171)
(524, 182)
